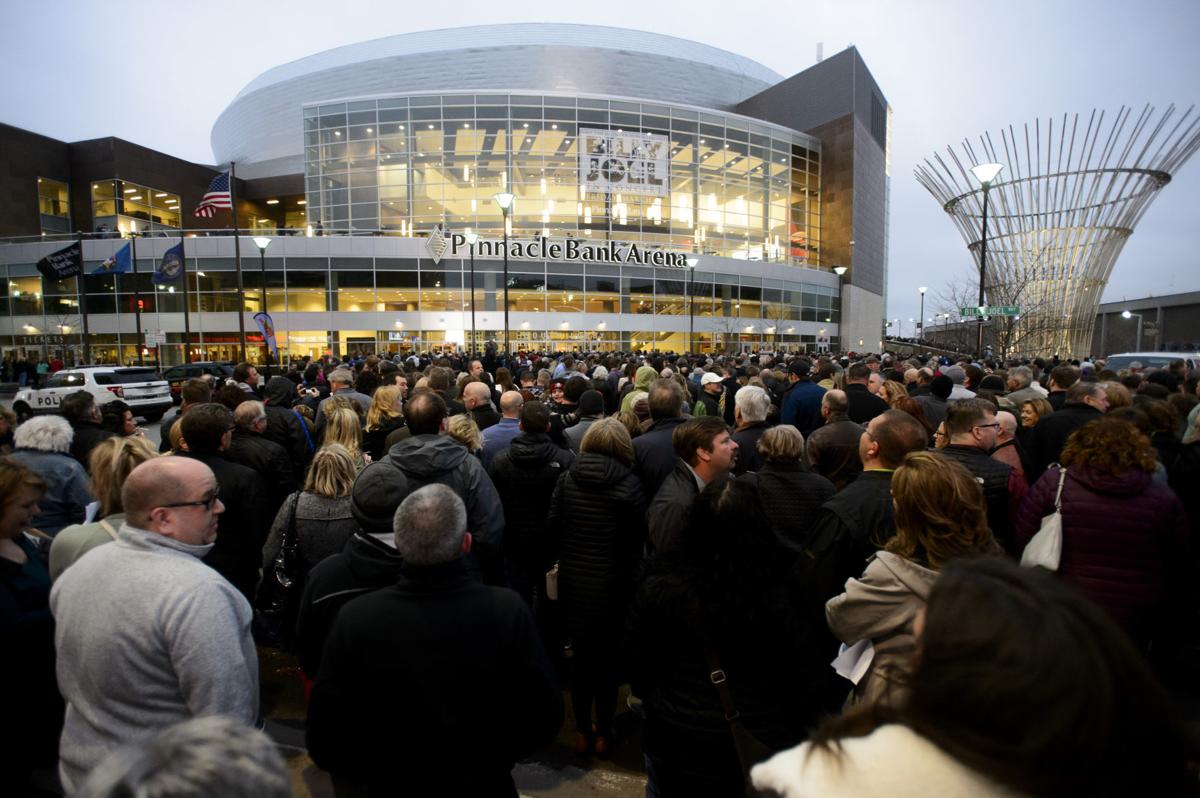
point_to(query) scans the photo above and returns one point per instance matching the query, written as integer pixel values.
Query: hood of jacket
(279, 392)
(427, 456)
(1128, 483)
(874, 605)
(599, 470)
(645, 375)
(532, 450)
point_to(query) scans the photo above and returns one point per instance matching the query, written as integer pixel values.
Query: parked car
(142, 388)
(1151, 360)
(176, 376)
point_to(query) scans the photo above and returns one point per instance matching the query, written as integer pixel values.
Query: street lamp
(505, 201)
(262, 242)
(691, 264)
(472, 239)
(921, 324)
(1125, 314)
(985, 173)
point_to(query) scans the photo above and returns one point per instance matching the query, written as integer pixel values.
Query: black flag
(67, 262)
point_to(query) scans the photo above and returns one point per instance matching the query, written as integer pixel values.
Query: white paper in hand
(853, 662)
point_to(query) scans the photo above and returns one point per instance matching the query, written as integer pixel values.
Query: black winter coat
(88, 435)
(242, 528)
(374, 441)
(284, 425)
(791, 497)
(270, 461)
(1050, 435)
(600, 514)
(365, 565)
(412, 671)
(862, 405)
(654, 455)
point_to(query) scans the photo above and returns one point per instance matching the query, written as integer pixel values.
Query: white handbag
(1044, 550)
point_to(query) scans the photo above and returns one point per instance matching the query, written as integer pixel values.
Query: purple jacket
(1123, 537)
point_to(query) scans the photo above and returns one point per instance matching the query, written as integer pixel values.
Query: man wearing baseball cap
(709, 401)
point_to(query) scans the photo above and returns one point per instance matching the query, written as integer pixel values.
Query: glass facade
(736, 187)
(129, 207)
(731, 310)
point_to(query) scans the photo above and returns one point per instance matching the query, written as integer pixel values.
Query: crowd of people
(805, 570)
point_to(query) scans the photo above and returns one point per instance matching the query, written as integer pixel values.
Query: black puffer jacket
(600, 514)
(374, 441)
(524, 475)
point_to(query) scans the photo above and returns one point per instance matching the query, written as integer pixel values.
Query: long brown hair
(940, 512)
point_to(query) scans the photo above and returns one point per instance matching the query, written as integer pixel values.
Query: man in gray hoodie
(148, 635)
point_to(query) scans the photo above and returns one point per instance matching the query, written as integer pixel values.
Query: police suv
(147, 394)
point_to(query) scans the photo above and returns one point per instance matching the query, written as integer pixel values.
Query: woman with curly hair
(940, 516)
(1124, 533)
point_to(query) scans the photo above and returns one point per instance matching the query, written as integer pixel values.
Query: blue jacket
(802, 406)
(67, 493)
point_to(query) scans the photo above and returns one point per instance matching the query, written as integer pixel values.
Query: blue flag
(119, 263)
(170, 267)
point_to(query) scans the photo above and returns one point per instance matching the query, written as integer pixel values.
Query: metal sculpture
(1060, 215)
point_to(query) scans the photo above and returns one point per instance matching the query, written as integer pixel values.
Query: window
(118, 205)
(54, 205)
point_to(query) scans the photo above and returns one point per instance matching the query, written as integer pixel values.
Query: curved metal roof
(513, 35)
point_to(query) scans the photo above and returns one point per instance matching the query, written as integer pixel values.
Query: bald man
(477, 398)
(497, 437)
(148, 635)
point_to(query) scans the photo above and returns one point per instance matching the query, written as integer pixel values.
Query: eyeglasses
(207, 504)
(985, 426)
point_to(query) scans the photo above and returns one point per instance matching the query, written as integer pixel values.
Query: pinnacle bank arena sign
(571, 250)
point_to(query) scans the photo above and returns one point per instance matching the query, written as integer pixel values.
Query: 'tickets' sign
(623, 163)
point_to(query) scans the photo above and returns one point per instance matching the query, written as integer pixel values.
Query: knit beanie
(377, 492)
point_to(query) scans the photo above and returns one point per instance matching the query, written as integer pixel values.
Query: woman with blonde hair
(342, 426)
(384, 416)
(320, 514)
(940, 515)
(892, 392)
(463, 429)
(109, 464)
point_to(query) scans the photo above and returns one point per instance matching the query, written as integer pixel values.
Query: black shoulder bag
(750, 749)
(279, 594)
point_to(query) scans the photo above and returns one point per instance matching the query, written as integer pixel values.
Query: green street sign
(991, 310)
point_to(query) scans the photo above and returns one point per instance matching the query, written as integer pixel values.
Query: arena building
(665, 194)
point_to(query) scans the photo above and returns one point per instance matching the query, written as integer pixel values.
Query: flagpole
(187, 324)
(237, 255)
(137, 294)
(85, 338)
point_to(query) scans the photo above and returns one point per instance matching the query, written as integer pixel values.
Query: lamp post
(691, 264)
(1125, 314)
(472, 238)
(985, 173)
(504, 200)
(921, 323)
(262, 242)
(840, 271)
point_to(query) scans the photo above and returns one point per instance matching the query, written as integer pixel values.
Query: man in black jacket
(973, 430)
(525, 476)
(80, 410)
(857, 521)
(653, 451)
(863, 405)
(704, 450)
(242, 528)
(412, 671)
(477, 398)
(249, 447)
(1085, 401)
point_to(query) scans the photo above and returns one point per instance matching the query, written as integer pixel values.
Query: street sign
(991, 310)
(155, 338)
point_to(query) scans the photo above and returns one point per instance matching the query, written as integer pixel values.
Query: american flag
(216, 197)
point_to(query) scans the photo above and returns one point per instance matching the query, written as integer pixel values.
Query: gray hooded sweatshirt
(880, 606)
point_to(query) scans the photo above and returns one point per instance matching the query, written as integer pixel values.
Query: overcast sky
(158, 74)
